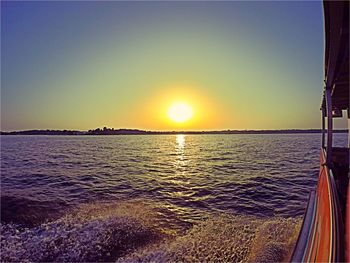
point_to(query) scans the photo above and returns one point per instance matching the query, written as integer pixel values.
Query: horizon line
(126, 131)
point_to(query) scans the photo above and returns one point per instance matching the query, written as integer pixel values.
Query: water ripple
(191, 174)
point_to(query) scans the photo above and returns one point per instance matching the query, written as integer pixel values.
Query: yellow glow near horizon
(157, 112)
(180, 112)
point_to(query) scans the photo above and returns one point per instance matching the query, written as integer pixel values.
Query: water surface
(181, 179)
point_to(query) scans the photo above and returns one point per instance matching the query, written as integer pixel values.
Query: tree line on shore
(112, 131)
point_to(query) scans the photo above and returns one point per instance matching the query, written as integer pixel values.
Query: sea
(155, 198)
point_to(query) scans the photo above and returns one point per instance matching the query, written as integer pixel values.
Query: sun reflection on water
(180, 146)
(181, 161)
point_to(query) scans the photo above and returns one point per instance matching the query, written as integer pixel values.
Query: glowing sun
(180, 112)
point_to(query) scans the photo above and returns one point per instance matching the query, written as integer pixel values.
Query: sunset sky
(238, 65)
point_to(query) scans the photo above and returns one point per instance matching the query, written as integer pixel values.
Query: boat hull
(320, 237)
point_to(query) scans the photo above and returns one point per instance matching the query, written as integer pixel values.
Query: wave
(129, 231)
(227, 238)
(28, 212)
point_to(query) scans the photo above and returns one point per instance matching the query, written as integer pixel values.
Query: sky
(238, 65)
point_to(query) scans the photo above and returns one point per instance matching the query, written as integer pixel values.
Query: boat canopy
(336, 15)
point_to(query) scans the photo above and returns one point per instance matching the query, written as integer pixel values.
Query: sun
(180, 112)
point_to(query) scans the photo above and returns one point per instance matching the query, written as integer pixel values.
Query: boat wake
(137, 231)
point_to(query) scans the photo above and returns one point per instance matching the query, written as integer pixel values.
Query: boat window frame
(326, 110)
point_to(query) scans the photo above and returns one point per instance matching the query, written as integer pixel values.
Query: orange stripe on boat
(320, 247)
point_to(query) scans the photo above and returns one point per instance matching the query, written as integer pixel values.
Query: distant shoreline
(112, 131)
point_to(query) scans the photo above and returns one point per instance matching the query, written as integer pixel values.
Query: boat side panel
(306, 230)
(320, 243)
